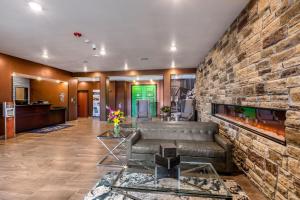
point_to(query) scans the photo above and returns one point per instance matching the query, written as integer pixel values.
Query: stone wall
(257, 63)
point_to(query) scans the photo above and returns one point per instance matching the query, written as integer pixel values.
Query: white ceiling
(129, 30)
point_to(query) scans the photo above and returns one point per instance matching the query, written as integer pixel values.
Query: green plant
(165, 109)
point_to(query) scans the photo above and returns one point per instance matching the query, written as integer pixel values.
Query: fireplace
(266, 122)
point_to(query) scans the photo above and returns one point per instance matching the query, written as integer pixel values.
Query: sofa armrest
(131, 141)
(228, 146)
(223, 142)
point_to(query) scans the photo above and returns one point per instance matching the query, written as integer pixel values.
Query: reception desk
(29, 117)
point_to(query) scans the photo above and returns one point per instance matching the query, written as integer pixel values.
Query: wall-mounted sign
(62, 97)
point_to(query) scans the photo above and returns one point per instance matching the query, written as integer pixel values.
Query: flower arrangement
(165, 109)
(115, 116)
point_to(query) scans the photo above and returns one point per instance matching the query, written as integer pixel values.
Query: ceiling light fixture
(102, 51)
(173, 64)
(94, 47)
(45, 54)
(35, 6)
(173, 47)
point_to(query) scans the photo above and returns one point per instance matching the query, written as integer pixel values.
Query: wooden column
(72, 111)
(103, 96)
(167, 88)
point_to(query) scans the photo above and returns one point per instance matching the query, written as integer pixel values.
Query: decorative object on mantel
(102, 191)
(116, 117)
(165, 112)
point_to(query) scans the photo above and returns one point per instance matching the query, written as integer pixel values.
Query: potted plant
(165, 111)
(116, 117)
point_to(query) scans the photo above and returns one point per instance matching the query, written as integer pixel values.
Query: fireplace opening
(266, 122)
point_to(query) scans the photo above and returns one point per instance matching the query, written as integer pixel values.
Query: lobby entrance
(144, 92)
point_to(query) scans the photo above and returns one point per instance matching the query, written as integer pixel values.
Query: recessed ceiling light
(173, 47)
(94, 47)
(173, 64)
(35, 6)
(45, 54)
(126, 66)
(102, 51)
(85, 68)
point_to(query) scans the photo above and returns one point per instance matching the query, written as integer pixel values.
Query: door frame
(155, 84)
(88, 102)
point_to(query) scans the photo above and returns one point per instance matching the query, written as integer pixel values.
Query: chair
(188, 113)
(143, 110)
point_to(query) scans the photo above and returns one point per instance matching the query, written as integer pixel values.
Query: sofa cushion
(149, 145)
(204, 133)
(200, 149)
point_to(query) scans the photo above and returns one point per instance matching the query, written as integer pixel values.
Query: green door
(143, 92)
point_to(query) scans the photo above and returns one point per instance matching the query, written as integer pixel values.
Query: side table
(107, 136)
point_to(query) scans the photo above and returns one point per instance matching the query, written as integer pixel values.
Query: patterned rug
(102, 191)
(50, 128)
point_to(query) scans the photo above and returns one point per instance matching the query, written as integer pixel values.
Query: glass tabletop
(187, 179)
(109, 134)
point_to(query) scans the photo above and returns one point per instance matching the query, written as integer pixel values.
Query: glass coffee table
(191, 179)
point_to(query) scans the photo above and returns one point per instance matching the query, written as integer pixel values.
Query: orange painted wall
(10, 64)
(49, 91)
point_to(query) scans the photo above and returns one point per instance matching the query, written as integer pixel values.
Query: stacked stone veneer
(257, 63)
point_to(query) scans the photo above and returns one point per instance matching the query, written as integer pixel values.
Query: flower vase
(116, 129)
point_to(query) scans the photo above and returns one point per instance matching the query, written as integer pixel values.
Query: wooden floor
(61, 165)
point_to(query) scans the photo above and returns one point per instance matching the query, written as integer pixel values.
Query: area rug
(102, 191)
(50, 129)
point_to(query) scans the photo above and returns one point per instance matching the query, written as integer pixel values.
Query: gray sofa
(195, 141)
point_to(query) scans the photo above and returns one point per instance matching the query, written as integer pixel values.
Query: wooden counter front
(29, 117)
